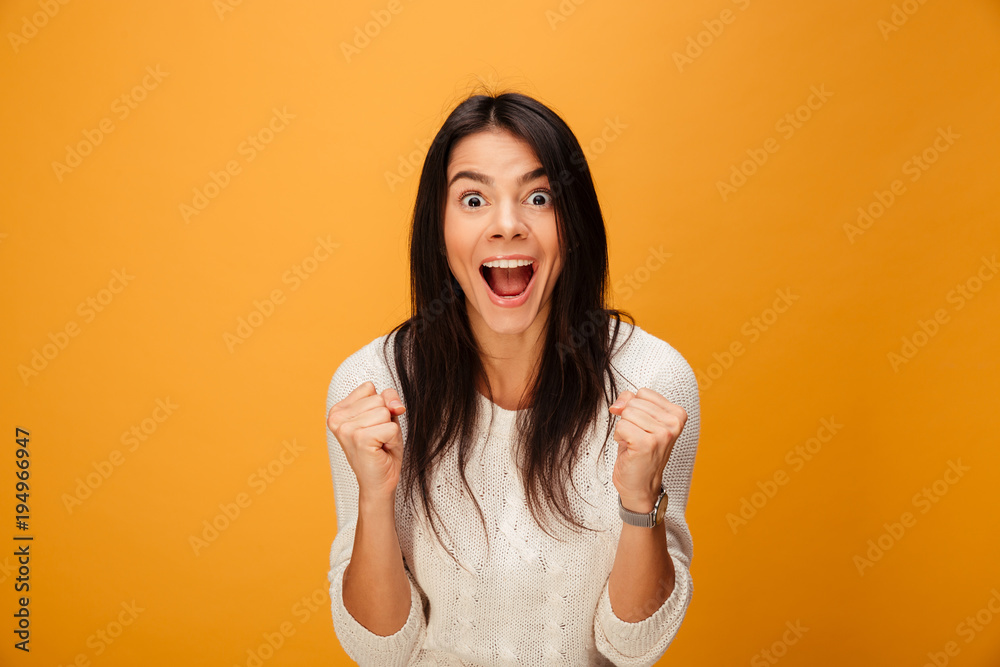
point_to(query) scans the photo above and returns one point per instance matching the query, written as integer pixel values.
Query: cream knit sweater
(534, 600)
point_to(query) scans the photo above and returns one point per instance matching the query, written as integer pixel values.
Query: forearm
(376, 589)
(642, 577)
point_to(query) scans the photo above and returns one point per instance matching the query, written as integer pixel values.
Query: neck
(510, 361)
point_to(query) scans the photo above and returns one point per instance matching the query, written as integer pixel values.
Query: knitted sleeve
(362, 645)
(641, 644)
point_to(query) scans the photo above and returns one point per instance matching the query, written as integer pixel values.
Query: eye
(540, 198)
(471, 200)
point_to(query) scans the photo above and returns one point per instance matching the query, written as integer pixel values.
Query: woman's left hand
(646, 432)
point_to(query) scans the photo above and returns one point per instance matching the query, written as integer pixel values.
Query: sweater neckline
(507, 419)
(502, 417)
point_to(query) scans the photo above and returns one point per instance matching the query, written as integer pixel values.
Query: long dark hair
(436, 356)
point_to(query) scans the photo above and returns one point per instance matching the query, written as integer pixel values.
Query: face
(499, 207)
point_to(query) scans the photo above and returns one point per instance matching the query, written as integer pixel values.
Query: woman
(507, 371)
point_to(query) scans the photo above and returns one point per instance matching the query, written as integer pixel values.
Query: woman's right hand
(366, 426)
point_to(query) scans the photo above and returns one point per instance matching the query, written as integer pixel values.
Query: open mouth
(508, 278)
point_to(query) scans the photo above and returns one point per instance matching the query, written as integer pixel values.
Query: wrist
(376, 506)
(640, 504)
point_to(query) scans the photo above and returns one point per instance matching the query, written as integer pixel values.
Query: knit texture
(533, 600)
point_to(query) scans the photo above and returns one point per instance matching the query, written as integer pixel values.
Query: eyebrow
(486, 180)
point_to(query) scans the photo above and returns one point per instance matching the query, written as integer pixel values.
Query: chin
(510, 323)
(514, 321)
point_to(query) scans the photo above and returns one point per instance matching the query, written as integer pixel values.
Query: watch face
(661, 508)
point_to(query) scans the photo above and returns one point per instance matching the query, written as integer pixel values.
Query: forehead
(492, 151)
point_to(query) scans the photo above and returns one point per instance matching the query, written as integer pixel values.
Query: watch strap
(644, 520)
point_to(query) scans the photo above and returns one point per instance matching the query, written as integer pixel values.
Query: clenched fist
(366, 426)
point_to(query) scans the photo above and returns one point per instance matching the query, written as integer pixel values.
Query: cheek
(450, 244)
(552, 248)
(458, 268)
(459, 250)
(556, 271)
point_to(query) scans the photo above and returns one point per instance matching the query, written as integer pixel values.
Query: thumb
(620, 403)
(392, 401)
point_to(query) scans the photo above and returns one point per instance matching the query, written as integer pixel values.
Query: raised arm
(375, 602)
(651, 568)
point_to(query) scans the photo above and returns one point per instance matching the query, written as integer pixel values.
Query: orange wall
(740, 137)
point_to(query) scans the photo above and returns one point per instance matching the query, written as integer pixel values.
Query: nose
(508, 222)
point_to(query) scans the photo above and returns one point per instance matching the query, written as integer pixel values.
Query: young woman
(509, 372)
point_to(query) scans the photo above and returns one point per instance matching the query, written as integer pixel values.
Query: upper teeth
(507, 263)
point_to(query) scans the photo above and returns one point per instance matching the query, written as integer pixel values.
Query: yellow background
(680, 126)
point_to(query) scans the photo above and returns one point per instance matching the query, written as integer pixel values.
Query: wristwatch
(645, 520)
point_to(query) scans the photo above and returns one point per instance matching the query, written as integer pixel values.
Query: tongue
(508, 282)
